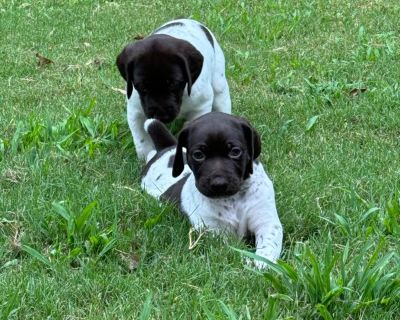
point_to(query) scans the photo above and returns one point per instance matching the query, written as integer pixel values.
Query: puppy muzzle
(218, 186)
(165, 115)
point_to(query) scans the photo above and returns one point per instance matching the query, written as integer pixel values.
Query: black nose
(219, 184)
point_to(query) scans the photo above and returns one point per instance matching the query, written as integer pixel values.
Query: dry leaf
(132, 260)
(356, 92)
(98, 62)
(138, 37)
(192, 244)
(42, 61)
(12, 175)
(15, 243)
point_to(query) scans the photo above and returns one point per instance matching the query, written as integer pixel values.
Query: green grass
(79, 239)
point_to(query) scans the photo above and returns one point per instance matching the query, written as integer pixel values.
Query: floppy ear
(192, 62)
(253, 142)
(125, 63)
(179, 162)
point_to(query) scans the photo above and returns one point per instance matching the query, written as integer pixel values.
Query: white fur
(250, 211)
(210, 92)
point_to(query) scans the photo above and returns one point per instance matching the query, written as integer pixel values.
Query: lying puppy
(220, 186)
(181, 54)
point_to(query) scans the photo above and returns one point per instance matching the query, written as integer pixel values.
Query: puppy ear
(192, 63)
(125, 63)
(179, 162)
(253, 146)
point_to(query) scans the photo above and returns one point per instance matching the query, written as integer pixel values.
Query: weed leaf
(151, 222)
(87, 124)
(323, 311)
(16, 137)
(9, 264)
(311, 123)
(107, 247)
(2, 149)
(58, 208)
(37, 255)
(228, 311)
(146, 310)
(271, 313)
(85, 215)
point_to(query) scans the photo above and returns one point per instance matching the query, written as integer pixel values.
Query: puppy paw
(258, 264)
(265, 253)
(142, 152)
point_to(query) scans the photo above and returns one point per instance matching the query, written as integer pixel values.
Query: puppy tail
(159, 133)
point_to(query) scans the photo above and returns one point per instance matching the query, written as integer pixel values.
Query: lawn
(80, 240)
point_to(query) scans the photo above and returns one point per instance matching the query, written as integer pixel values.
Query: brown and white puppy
(216, 181)
(176, 72)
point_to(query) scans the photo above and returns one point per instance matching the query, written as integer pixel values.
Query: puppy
(177, 71)
(217, 182)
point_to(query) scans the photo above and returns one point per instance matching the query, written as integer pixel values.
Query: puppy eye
(171, 83)
(198, 155)
(235, 153)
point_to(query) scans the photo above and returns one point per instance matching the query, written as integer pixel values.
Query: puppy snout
(219, 184)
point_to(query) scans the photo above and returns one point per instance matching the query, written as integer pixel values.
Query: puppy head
(159, 67)
(220, 152)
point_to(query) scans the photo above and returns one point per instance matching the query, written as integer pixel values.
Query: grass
(79, 239)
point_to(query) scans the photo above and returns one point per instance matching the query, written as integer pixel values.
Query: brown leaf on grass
(131, 260)
(15, 242)
(138, 37)
(12, 175)
(357, 91)
(42, 61)
(96, 62)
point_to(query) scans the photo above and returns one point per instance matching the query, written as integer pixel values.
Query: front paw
(264, 255)
(143, 149)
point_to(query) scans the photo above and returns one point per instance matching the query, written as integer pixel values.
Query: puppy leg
(200, 104)
(269, 243)
(222, 98)
(267, 228)
(141, 138)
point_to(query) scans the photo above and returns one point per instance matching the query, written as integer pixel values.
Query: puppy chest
(228, 214)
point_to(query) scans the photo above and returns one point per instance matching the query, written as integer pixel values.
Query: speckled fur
(251, 211)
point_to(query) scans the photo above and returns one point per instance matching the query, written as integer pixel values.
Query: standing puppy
(217, 182)
(177, 71)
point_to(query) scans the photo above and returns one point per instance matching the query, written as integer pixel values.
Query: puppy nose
(219, 184)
